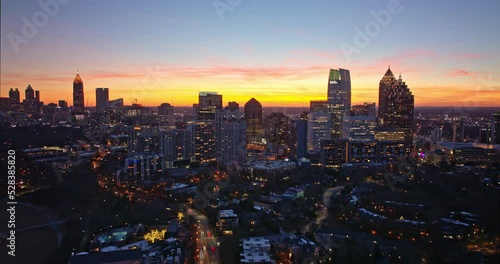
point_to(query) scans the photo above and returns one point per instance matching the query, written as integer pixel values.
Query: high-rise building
(14, 99)
(301, 143)
(230, 135)
(276, 131)
(37, 96)
(361, 124)
(339, 99)
(319, 127)
(396, 105)
(359, 128)
(143, 141)
(78, 95)
(495, 128)
(174, 145)
(208, 104)
(101, 99)
(166, 114)
(366, 109)
(318, 106)
(29, 93)
(385, 84)
(30, 104)
(254, 126)
(202, 148)
(63, 104)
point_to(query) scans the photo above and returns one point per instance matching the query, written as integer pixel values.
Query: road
(207, 249)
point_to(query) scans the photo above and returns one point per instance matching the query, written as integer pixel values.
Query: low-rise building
(256, 250)
(227, 221)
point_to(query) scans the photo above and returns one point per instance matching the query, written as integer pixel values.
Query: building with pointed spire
(78, 95)
(396, 105)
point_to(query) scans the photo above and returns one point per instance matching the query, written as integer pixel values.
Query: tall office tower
(29, 103)
(495, 128)
(174, 145)
(202, 148)
(301, 128)
(78, 97)
(253, 117)
(385, 84)
(166, 113)
(359, 128)
(29, 93)
(366, 109)
(230, 135)
(361, 124)
(101, 99)
(396, 105)
(208, 104)
(319, 127)
(276, 132)
(37, 96)
(339, 99)
(14, 99)
(318, 106)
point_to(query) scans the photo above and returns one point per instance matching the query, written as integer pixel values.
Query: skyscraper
(254, 126)
(276, 132)
(101, 99)
(202, 148)
(30, 104)
(78, 95)
(166, 114)
(230, 134)
(29, 93)
(339, 99)
(208, 104)
(396, 105)
(495, 128)
(387, 81)
(14, 99)
(319, 127)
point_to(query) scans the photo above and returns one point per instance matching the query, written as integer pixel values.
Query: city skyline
(168, 52)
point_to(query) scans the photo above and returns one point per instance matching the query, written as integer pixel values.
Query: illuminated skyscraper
(339, 99)
(208, 104)
(101, 99)
(78, 97)
(276, 132)
(230, 135)
(396, 105)
(254, 126)
(202, 148)
(388, 80)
